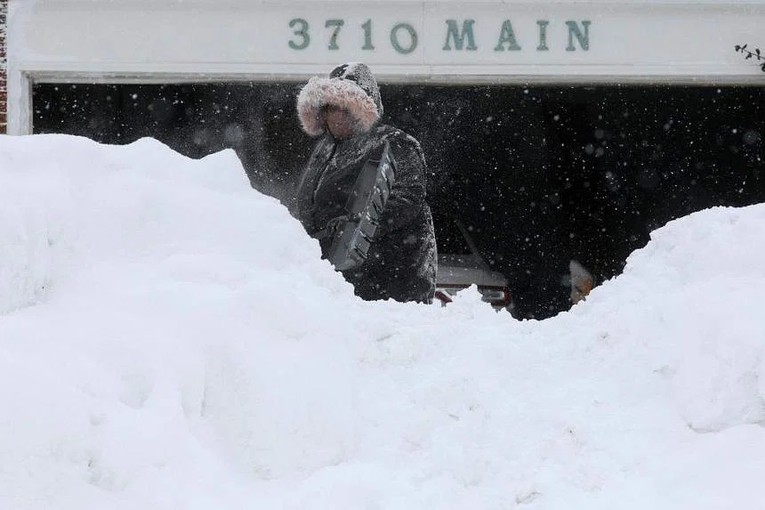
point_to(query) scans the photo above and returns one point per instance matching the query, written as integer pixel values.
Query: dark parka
(402, 260)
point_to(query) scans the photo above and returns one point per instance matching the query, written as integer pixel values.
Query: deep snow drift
(169, 338)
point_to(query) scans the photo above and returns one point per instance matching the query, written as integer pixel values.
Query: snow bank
(169, 338)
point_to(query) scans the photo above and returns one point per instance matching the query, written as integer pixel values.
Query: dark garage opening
(539, 175)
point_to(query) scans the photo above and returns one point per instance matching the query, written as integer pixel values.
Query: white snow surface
(170, 338)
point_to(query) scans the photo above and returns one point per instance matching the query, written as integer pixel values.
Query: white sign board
(471, 41)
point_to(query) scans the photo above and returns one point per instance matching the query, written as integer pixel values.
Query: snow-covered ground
(170, 339)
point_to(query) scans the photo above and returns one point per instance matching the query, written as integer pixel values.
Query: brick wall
(3, 66)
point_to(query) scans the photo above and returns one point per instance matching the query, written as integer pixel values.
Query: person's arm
(304, 203)
(408, 192)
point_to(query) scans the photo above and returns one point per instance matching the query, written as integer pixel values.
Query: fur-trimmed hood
(350, 86)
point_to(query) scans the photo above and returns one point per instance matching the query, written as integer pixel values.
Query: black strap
(331, 227)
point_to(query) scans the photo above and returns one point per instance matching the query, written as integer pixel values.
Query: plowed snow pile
(170, 339)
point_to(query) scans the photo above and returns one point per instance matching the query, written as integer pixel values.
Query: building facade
(624, 41)
(554, 130)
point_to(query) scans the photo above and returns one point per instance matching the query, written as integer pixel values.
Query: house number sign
(458, 35)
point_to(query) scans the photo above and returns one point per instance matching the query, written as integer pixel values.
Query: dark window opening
(537, 175)
(258, 121)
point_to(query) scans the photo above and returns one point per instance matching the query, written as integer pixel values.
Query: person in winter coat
(344, 112)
